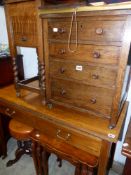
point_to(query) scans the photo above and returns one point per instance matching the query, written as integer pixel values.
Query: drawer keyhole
(61, 30)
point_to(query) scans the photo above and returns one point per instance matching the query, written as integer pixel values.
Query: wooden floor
(25, 165)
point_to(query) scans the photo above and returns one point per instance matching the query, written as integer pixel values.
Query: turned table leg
(104, 157)
(34, 155)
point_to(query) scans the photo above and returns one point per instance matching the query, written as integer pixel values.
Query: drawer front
(60, 135)
(88, 30)
(90, 53)
(25, 40)
(18, 113)
(23, 22)
(82, 96)
(93, 75)
(10, 110)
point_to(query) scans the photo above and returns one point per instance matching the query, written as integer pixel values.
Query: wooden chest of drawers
(86, 61)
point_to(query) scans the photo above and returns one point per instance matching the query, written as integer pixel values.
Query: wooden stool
(20, 132)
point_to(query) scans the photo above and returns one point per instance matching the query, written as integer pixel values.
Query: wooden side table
(126, 151)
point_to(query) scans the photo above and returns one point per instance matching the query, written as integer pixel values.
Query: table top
(85, 123)
(126, 148)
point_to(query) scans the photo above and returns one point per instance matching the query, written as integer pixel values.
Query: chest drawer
(59, 134)
(90, 53)
(87, 74)
(88, 30)
(82, 96)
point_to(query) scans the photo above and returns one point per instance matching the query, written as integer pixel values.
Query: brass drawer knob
(63, 92)
(99, 31)
(62, 51)
(24, 39)
(9, 112)
(95, 76)
(67, 136)
(93, 100)
(96, 55)
(61, 30)
(62, 70)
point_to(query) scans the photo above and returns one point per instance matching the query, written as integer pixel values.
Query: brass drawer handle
(61, 30)
(94, 76)
(24, 39)
(63, 138)
(99, 31)
(62, 51)
(9, 113)
(63, 92)
(62, 70)
(93, 100)
(96, 55)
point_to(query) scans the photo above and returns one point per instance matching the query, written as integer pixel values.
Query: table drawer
(59, 134)
(88, 30)
(7, 110)
(90, 53)
(25, 29)
(93, 75)
(82, 96)
(25, 40)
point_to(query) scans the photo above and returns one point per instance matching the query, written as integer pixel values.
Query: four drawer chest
(87, 59)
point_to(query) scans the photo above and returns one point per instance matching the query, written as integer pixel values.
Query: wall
(3, 31)
(118, 157)
(30, 67)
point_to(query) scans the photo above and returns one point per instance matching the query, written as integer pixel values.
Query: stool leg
(23, 148)
(78, 170)
(85, 170)
(90, 171)
(39, 158)
(59, 162)
(45, 157)
(34, 155)
(19, 152)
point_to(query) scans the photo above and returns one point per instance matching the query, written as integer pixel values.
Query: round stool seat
(19, 130)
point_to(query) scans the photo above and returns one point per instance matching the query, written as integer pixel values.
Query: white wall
(30, 62)
(3, 31)
(30, 67)
(118, 156)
